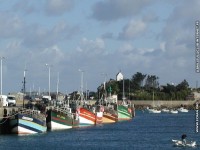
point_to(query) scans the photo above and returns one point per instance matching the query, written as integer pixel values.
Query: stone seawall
(163, 103)
(141, 104)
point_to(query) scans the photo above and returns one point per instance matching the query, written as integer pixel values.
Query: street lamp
(1, 72)
(49, 66)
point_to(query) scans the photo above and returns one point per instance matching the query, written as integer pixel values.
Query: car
(11, 100)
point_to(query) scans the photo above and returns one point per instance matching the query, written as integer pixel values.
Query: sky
(95, 39)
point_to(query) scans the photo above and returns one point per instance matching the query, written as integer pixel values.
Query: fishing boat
(110, 114)
(86, 116)
(59, 118)
(60, 115)
(125, 110)
(28, 121)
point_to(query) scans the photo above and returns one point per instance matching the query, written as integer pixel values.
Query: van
(46, 99)
(11, 100)
(4, 100)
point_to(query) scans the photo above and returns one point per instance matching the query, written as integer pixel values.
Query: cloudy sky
(99, 37)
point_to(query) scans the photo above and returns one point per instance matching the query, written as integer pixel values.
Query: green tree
(151, 82)
(182, 86)
(137, 80)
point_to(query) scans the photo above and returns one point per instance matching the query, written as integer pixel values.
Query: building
(119, 76)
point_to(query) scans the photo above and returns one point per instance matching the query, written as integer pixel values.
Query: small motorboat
(182, 109)
(165, 110)
(187, 144)
(173, 111)
(154, 111)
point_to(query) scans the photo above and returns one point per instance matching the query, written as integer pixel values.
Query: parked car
(11, 100)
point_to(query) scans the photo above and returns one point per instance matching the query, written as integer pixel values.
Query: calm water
(145, 131)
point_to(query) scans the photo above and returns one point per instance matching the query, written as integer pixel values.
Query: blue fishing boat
(28, 122)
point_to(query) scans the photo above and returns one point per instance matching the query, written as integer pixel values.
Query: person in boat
(183, 137)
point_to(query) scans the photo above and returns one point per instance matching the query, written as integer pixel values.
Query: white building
(119, 76)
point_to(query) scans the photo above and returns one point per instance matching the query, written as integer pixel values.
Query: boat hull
(182, 110)
(109, 117)
(99, 117)
(86, 117)
(124, 113)
(173, 112)
(57, 120)
(27, 124)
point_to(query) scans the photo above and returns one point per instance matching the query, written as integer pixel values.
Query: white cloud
(91, 47)
(39, 36)
(10, 25)
(132, 57)
(58, 7)
(25, 6)
(133, 29)
(162, 46)
(109, 10)
(178, 33)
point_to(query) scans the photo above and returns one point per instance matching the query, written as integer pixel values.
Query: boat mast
(82, 95)
(24, 86)
(57, 87)
(1, 72)
(123, 98)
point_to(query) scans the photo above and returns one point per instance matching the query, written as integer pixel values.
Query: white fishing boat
(165, 110)
(182, 109)
(179, 143)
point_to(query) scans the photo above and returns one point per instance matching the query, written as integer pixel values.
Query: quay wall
(157, 103)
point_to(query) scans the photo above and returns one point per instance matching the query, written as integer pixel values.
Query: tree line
(145, 87)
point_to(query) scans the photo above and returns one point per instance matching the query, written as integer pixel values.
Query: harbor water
(145, 131)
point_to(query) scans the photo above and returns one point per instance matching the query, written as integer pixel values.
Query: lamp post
(49, 66)
(1, 72)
